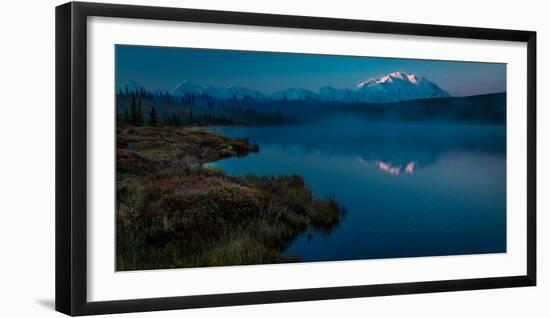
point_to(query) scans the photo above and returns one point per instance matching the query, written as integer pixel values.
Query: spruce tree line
(134, 115)
(202, 110)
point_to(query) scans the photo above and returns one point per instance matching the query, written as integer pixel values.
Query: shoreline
(174, 210)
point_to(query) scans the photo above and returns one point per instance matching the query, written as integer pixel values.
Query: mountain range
(394, 87)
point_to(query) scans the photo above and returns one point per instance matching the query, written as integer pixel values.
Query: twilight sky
(163, 68)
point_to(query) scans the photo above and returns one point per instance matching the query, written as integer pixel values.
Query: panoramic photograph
(227, 157)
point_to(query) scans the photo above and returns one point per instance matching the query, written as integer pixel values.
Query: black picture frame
(71, 157)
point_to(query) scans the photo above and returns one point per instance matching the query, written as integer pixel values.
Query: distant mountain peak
(413, 78)
(132, 83)
(398, 74)
(130, 87)
(393, 87)
(187, 87)
(398, 86)
(294, 93)
(391, 78)
(186, 83)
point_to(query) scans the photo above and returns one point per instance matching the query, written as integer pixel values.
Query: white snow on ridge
(398, 86)
(129, 87)
(187, 88)
(394, 87)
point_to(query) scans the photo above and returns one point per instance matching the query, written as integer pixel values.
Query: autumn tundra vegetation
(175, 210)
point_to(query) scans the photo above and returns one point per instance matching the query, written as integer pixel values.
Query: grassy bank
(173, 211)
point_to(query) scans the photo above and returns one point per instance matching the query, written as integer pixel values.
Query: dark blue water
(409, 190)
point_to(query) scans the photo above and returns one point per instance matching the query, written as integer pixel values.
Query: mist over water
(409, 189)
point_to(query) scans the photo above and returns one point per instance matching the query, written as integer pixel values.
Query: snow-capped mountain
(394, 87)
(331, 94)
(397, 86)
(187, 88)
(130, 87)
(294, 93)
(229, 92)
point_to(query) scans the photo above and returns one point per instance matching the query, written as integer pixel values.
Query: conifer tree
(126, 116)
(139, 114)
(175, 121)
(133, 112)
(153, 117)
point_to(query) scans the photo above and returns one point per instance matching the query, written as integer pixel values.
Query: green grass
(173, 211)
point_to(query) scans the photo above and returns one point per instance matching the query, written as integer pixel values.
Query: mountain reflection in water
(389, 167)
(409, 190)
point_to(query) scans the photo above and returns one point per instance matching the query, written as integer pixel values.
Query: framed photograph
(208, 158)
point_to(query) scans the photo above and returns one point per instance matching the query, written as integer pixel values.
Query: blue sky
(163, 68)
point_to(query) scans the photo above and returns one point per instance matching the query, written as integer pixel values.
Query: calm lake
(409, 190)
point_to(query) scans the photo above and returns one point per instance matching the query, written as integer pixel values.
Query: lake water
(409, 190)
